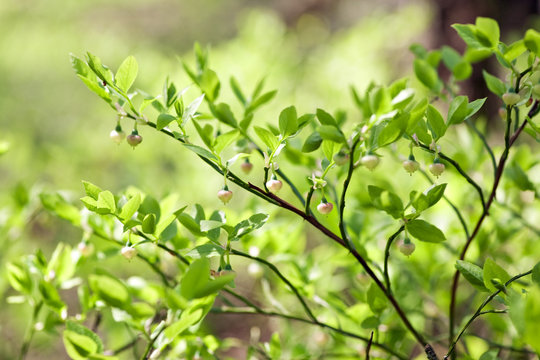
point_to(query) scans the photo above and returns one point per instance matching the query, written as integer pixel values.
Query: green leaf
(494, 84)
(83, 330)
(190, 224)
(312, 143)
(190, 111)
(492, 271)
(376, 300)
(224, 140)
(532, 41)
(89, 203)
(427, 75)
(78, 347)
(474, 106)
(51, 297)
(536, 273)
(261, 100)
(379, 101)
(62, 263)
(106, 203)
(519, 177)
(149, 224)
(472, 273)
(188, 318)
(196, 282)
(110, 290)
(209, 84)
(208, 225)
(435, 194)
(96, 88)
(287, 121)
(393, 130)
(235, 86)
(19, 278)
(201, 152)
(58, 205)
(127, 73)
(91, 190)
(245, 227)
(435, 122)
(267, 137)
(103, 72)
(130, 207)
(515, 49)
(468, 33)
(488, 29)
(164, 120)
(386, 200)
(206, 251)
(424, 231)
(224, 114)
(331, 133)
(458, 110)
(325, 118)
(206, 134)
(81, 67)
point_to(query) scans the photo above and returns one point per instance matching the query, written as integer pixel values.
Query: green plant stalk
(285, 205)
(500, 168)
(346, 183)
(368, 347)
(460, 170)
(387, 256)
(227, 310)
(30, 331)
(308, 199)
(479, 311)
(282, 277)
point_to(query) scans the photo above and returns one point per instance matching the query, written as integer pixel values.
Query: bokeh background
(312, 51)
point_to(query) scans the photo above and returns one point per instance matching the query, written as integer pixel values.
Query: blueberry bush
(403, 227)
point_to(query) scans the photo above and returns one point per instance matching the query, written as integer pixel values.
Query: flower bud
(85, 248)
(502, 113)
(117, 135)
(128, 252)
(370, 161)
(341, 158)
(511, 98)
(274, 185)
(225, 195)
(134, 138)
(246, 166)
(407, 247)
(411, 165)
(437, 168)
(325, 207)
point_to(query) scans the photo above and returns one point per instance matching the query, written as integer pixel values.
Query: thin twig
(387, 256)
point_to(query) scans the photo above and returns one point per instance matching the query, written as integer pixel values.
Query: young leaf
(386, 200)
(261, 100)
(331, 133)
(149, 224)
(424, 231)
(126, 74)
(325, 118)
(164, 120)
(532, 41)
(376, 300)
(458, 110)
(287, 121)
(427, 75)
(96, 88)
(494, 272)
(266, 137)
(201, 152)
(206, 251)
(435, 122)
(472, 273)
(224, 140)
(494, 84)
(191, 109)
(224, 114)
(109, 289)
(91, 189)
(106, 203)
(312, 143)
(237, 91)
(209, 84)
(435, 194)
(488, 31)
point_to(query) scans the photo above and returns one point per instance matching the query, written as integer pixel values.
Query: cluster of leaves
(328, 149)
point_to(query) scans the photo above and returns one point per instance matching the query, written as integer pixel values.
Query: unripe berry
(325, 207)
(246, 166)
(341, 158)
(407, 247)
(274, 185)
(134, 138)
(502, 113)
(117, 135)
(225, 195)
(411, 165)
(85, 248)
(370, 161)
(511, 98)
(128, 252)
(437, 168)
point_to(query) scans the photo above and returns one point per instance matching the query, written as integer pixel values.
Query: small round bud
(117, 135)
(502, 113)
(134, 138)
(128, 252)
(511, 98)
(85, 248)
(274, 185)
(437, 168)
(370, 161)
(341, 158)
(325, 207)
(411, 165)
(529, 102)
(407, 247)
(246, 166)
(225, 195)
